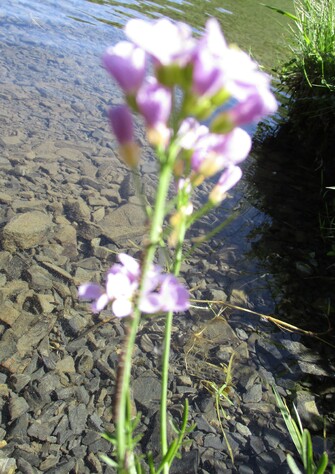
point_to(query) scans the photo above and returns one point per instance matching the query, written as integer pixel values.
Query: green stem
(124, 382)
(166, 353)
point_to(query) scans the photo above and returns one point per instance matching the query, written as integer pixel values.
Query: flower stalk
(207, 72)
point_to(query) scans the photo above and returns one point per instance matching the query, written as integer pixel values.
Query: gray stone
(77, 417)
(147, 390)
(7, 466)
(308, 411)
(26, 231)
(65, 365)
(77, 210)
(126, 222)
(254, 394)
(17, 407)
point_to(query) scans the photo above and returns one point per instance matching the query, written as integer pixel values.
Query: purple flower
(122, 125)
(235, 146)
(214, 152)
(256, 106)
(126, 63)
(165, 41)
(154, 103)
(159, 293)
(170, 296)
(209, 73)
(227, 180)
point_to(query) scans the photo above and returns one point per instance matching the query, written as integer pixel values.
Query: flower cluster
(160, 292)
(210, 74)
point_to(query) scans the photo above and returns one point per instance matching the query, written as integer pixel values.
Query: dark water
(51, 51)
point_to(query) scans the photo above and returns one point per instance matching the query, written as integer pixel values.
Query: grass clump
(309, 75)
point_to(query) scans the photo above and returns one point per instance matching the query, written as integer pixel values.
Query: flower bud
(122, 125)
(227, 180)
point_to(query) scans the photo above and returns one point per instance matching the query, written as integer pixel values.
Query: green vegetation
(303, 442)
(309, 75)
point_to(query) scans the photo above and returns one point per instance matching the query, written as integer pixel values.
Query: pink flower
(227, 180)
(209, 73)
(165, 41)
(154, 103)
(126, 63)
(262, 102)
(160, 292)
(214, 152)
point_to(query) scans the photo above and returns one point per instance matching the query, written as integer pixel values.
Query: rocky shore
(67, 207)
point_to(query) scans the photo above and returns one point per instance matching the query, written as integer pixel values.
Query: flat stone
(147, 390)
(128, 221)
(77, 210)
(26, 231)
(7, 466)
(254, 394)
(66, 365)
(77, 417)
(5, 198)
(8, 313)
(17, 407)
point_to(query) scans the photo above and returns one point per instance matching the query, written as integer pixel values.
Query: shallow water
(54, 88)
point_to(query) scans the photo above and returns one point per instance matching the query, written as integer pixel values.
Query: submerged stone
(26, 231)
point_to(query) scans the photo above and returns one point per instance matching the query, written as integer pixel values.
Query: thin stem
(124, 381)
(166, 352)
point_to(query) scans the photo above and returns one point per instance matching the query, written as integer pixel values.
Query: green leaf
(108, 460)
(307, 451)
(282, 12)
(322, 465)
(292, 465)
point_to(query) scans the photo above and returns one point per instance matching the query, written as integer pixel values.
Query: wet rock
(77, 210)
(66, 235)
(123, 223)
(26, 231)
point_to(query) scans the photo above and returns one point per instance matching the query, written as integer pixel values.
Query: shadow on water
(289, 245)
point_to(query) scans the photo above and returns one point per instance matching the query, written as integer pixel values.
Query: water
(54, 90)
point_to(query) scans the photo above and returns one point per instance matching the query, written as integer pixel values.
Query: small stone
(254, 394)
(77, 418)
(5, 198)
(26, 231)
(49, 462)
(8, 313)
(85, 363)
(7, 466)
(147, 390)
(17, 407)
(65, 365)
(94, 463)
